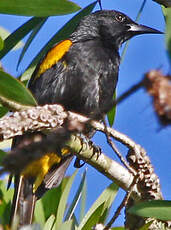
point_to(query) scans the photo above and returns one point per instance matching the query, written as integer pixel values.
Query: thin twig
(113, 146)
(128, 93)
(122, 205)
(115, 149)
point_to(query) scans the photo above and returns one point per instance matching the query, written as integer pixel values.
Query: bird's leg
(86, 141)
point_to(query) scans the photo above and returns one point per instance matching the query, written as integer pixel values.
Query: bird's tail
(23, 201)
(25, 197)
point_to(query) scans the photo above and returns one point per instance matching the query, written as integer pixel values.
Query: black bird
(80, 73)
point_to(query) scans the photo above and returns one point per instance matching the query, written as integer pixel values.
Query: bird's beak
(141, 29)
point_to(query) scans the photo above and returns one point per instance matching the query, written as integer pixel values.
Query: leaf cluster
(61, 213)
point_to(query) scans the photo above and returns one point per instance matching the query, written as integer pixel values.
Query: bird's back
(83, 80)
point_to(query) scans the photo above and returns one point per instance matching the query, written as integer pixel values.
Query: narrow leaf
(83, 202)
(76, 198)
(17, 35)
(1, 43)
(30, 39)
(49, 223)
(111, 114)
(4, 33)
(7, 194)
(37, 8)
(167, 14)
(106, 197)
(75, 221)
(67, 225)
(63, 201)
(3, 110)
(106, 211)
(13, 90)
(39, 213)
(158, 209)
(5, 212)
(94, 218)
(53, 197)
(62, 34)
(2, 155)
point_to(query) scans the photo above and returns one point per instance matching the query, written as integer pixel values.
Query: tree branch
(49, 117)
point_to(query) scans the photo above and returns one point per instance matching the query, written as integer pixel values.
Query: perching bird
(80, 73)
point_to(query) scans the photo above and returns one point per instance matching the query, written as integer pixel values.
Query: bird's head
(112, 27)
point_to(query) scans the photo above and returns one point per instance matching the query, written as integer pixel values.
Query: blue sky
(135, 116)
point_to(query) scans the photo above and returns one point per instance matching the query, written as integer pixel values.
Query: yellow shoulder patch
(54, 55)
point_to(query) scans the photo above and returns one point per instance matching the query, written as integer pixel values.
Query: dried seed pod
(159, 87)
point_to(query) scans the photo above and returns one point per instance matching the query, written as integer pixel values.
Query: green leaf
(76, 198)
(63, 201)
(30, 39)
(159, 209)
(75, 221)
(3, 110)
(1, 43)
(111, 114)
(17, 35)
(53, 197)
(2, 209)
(94, 218)
(13, 90)
(4, 33)
(38, 8)
(28, 73)
(5, 212)
(83, 201)
(39, 213)
(167, 14)
(7, 194)
(67, 225)
(106, 197)
(105, 213)
(49, 223)
(62, 34)
(2, 155)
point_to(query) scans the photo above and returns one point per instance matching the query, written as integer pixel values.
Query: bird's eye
(120, 18)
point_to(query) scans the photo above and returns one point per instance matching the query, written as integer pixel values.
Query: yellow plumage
(54, 55)
(39, 168)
